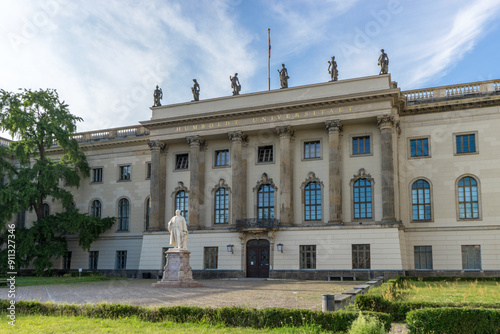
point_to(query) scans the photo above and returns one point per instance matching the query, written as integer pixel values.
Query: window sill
(421, 221)
(124, 180)
(465, 153)
(419, 157)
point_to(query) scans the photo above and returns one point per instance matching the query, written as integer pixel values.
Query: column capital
(334, 125)
(385, 122)
(156, 145)
(196, 141)
(285, 131)
(237, 136)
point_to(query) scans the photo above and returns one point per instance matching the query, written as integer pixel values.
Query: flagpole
(269, 61)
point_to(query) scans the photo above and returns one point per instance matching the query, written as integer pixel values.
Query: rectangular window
(210, 257)
(308, 257)
(423, 257)
(360, 256)
(419, 147)
(361, 145)
(265, 154)
(181, 161)
(312, 150)
(124, 172)
(121, 260)
(222, 158)
(148, 170)
(67, 261)
(471, 257)
(466, 143)
(93, 258)
(96, 174)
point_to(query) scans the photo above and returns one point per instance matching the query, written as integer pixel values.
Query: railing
(269, 223)
(463, 90)
(111, 134)
(421, 94)
(452, 92)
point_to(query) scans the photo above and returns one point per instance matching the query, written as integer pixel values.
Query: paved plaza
(214, 293)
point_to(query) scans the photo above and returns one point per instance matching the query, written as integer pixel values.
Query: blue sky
(106, 57)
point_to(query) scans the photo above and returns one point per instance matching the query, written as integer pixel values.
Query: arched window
(468, 198)
(312, 201)
(46, 209)
(148, 211)
(96, 208)
(421, 200)
(265, 202)
(123, 214)
(362, 192)
(181, 203)
(222, 206)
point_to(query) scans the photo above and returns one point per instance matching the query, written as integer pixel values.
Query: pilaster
(285, 134)
(334, 129)
(239, 177)
(196, 180)
(157, 185)
(386, 125)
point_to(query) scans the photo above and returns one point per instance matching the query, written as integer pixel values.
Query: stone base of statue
(177, 272)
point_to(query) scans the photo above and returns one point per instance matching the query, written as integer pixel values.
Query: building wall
(357, 104)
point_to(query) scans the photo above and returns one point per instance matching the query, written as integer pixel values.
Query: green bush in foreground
(453, 320)
(398, 309)
(339, 321)
(365, 324)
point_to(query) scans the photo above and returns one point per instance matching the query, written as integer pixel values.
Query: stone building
(351, 178)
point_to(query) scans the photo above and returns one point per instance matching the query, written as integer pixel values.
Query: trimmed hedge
(339, 321)
(398, 309)
(453, 320)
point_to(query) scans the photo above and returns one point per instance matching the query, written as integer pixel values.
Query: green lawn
(447, 292)
(52, 324)
(25, 280)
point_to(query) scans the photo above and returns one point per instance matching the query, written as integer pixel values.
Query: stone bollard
(328, 303)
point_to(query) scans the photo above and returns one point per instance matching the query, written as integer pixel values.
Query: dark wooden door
(258, 258)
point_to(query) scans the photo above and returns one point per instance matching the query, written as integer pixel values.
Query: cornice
(392, 94)
(126, 142)
(452, 105)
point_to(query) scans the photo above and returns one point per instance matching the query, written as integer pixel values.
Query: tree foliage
(39, 122)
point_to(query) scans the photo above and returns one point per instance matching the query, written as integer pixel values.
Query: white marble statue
(178, 231)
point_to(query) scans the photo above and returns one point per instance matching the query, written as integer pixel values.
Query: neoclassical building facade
(352, 178)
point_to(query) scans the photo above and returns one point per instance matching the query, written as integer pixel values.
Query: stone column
(196, 180)
(239, 177)
(285, 134)
(386, 125)
(334, 128)
(157, 185)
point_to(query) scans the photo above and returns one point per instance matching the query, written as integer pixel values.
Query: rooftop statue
(283, 76)
(157, 95)
(235, 84)
(195, 90)
(383, 62)
(332, 69)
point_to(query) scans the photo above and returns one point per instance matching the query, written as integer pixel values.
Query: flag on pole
(269, 35)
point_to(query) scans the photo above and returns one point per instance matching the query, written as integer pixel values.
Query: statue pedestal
(177, 272)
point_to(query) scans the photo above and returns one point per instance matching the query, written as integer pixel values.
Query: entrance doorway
(258, 258)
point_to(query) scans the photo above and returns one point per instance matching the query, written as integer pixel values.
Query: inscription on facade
(263, 119)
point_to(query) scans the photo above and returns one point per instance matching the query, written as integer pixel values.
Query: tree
(39, 121)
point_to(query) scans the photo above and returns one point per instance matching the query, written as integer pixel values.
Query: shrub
(399, 309)
(339, 321)
(365, 324)
(454, 320)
